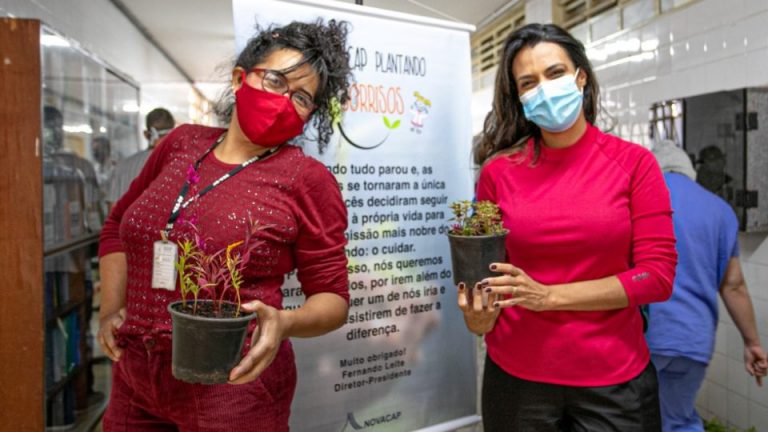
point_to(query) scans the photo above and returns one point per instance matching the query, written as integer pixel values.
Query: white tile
(758, 395)
(723, 316)
(701, 16)
(758, 280)
(751, 273)
(760, 307)
(749, 243)
(718, 370)
(738, 410)
(764, 341)
(720, 76)
(702, 398)
(679, 25)
(760, 255)
(758, 416)
(718, 401)
(720, 344)
(757, 61)
(735, 344)
(733, 36)
(754, 30)
(738, 378)
(734, 72)
(753, 7)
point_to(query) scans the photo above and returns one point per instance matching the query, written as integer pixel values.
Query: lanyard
(181, 204)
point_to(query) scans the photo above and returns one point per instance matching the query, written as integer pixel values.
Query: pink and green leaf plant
(214, 273)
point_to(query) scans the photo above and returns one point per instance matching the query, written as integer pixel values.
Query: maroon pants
(146, 397)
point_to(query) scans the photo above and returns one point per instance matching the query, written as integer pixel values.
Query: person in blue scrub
(681, 331)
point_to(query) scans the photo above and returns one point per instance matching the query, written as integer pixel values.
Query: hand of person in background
(519, 288)
(478, 317)
(265, 343)
(756, 362)
(108, 327)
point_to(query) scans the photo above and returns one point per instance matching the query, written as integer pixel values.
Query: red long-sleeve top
(595, 209)
(293, 196)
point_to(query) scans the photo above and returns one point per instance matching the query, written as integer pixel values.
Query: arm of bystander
(734, 293)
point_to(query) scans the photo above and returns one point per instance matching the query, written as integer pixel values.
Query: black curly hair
(324, 48)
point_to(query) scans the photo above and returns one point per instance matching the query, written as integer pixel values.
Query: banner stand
(400, 154)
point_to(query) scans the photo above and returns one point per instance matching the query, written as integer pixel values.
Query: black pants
(514, 404)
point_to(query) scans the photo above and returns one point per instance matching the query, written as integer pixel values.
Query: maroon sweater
(293, 195)
(595, 209)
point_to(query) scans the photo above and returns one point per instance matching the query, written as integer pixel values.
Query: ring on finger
(514, 290)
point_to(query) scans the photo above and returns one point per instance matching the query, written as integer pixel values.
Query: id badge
(163, 270)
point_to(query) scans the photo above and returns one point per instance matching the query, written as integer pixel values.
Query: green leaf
(386, 122)
(396, 124)
(336, 111)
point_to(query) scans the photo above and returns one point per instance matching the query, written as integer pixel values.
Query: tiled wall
(706, 46)
(703, 47)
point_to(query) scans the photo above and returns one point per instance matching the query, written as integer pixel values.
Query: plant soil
(206, 309)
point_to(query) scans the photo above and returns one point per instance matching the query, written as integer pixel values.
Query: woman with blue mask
(590, 239)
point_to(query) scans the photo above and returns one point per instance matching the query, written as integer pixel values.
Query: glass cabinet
(67, 118)
(90, 120)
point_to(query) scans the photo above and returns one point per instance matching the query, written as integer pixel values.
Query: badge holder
(163, 263)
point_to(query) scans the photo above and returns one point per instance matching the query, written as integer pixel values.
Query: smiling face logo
(388, 124)
(419, 111)
(387, 103)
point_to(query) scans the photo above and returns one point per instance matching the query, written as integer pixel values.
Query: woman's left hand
(265, 342)
(518, 288)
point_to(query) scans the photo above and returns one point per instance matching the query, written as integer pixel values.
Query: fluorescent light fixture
(131, 107)
(51, 40)
(81, 128)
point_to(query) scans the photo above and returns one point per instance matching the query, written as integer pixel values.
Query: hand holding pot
(265, 343)
(108, 327)
(478, 318)
(518, 288)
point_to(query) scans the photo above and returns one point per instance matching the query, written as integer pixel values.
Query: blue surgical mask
(554, 105)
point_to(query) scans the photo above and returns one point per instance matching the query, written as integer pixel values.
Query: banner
(401, 155)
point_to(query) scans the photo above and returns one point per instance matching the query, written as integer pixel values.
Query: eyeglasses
(275, 82)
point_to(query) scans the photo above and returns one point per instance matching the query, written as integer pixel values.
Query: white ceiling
(199, 34)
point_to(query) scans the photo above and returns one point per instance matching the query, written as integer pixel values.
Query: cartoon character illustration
(420, 110)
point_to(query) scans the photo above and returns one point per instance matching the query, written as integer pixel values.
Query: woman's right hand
(478, 318)
(108, 326)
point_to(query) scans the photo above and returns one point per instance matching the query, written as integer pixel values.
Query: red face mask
(266, 119)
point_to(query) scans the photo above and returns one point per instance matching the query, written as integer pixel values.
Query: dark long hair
(506, 128)
(324, 48)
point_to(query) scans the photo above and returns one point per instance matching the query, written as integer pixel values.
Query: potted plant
(208, 328)
(477, 239)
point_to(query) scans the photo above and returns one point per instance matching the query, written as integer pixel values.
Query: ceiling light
(130, 107)
(81, 128)
(51, 40)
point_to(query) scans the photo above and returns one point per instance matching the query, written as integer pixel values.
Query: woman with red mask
(284, 78)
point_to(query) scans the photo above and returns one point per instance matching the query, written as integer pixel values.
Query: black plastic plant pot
(205, 349)
(471, 257)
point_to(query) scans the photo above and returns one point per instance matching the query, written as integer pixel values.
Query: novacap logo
(353, 424)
